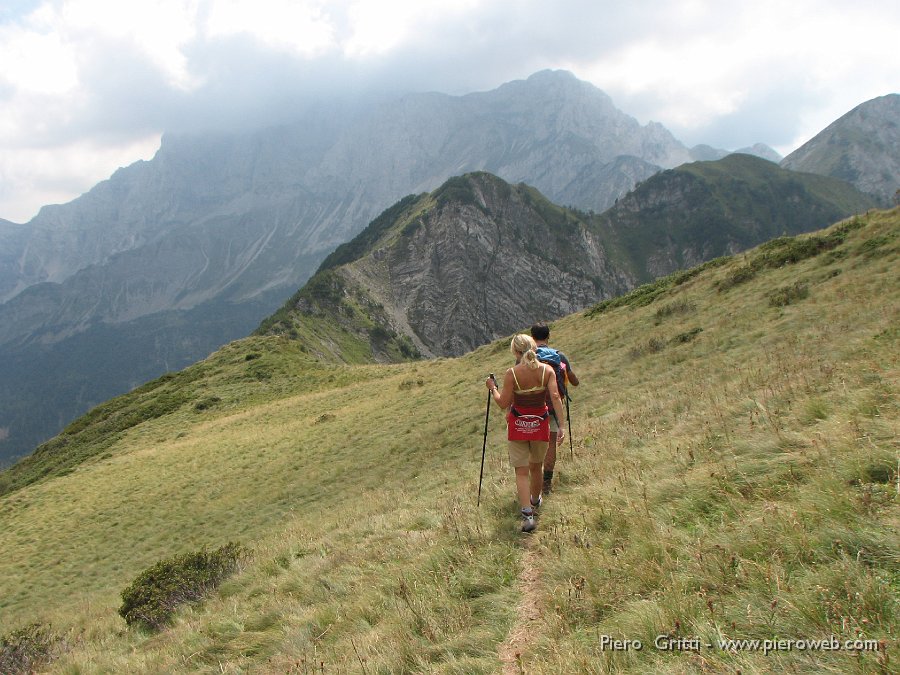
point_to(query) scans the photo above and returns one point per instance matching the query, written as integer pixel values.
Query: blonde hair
(524, 345)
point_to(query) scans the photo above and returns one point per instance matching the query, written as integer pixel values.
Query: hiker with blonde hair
(524, 392)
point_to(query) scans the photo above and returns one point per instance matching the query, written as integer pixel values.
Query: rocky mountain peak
(861, 147)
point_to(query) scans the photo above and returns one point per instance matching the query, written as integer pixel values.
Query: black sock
(548, 475)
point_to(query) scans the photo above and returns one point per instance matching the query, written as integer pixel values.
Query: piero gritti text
(668, 643)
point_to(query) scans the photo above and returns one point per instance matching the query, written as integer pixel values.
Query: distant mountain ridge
(173, 257)
(317, 182)
(861, 147)
(707, 153)
(439, 274)
(207, 238)
(447, 271)
(681, 217)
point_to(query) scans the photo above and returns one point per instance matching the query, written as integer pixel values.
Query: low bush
(652, 346)
(206, 403)
(786, 295)
(687, 336)
(735, 277)
(153, 597)
(677, 307)
(26, 649)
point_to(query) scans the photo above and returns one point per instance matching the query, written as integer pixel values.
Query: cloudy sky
(87, 86)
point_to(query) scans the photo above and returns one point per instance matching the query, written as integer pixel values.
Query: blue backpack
(551, 358)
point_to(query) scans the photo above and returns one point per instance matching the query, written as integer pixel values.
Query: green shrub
(378, 334)
(652, 346)
(876, 245)
(644, 295)
(787, 250)
(407, 349)
(206, 403)
(639, 297)
(786, 295)
(25, 649)
(687, 336)
(153, 597)
(409, 383)
(677, 307)
(735, 277)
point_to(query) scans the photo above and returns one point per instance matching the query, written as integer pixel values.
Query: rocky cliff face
(442, 273)
(468, 270)
(229, 217)
(862, 148)
(474, 260)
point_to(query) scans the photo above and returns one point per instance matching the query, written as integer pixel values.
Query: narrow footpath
(512, 650)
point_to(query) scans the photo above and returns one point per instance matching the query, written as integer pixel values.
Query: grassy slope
(737, 481)
(710, 207)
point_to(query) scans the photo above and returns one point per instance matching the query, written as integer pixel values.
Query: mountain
(707, 153)
(442, 273)
(733, 476)
(682, 217)
(172, 257)
(451, 270)
(861, 147)
(317, 181)
(761, 150)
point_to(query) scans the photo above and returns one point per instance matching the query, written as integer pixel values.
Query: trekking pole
(484, 446)
(569, 420)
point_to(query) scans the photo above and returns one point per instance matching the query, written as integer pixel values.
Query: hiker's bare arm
(503, 397)
(558, 407)
(573, 378)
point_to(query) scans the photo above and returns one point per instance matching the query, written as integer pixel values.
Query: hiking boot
(528, 523)
(537, 504)
(548, 487)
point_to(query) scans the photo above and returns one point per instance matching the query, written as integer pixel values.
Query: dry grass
(742, 483)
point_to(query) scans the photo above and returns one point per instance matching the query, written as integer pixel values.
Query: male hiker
(541, 334)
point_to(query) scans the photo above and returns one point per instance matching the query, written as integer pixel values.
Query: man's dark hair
(540, 331)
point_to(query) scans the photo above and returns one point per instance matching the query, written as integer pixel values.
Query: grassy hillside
(734, 476)
(684, 216)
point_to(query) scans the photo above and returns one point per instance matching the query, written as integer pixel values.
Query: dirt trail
(527, 613)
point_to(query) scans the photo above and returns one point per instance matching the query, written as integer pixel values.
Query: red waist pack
(528, 424)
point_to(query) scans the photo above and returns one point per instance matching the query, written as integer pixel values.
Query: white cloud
(159, 30)
(33, 177)
(299, 27)
(101, 78)
(35, 62)
(376, 28)
(803, 63)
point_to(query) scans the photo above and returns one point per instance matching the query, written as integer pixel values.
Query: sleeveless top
(532, 397)
(528, 418)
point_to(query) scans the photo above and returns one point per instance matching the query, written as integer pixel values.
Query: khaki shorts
(554, 425)
(523, 453)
